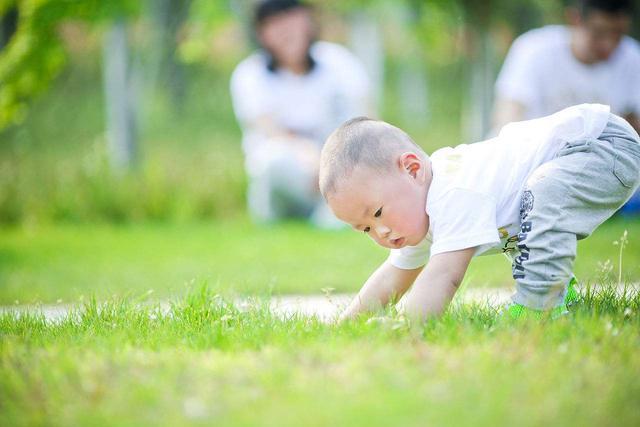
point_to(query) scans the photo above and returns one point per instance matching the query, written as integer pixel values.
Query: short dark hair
(363, 142)
(607, 6)
(268, 8)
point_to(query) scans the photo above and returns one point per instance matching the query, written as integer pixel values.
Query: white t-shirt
(475, 196)
(310, 105)
(541, 72)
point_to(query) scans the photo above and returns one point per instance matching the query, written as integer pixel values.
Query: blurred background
(433, 65)
(119, 112)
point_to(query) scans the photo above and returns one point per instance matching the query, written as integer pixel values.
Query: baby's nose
(382, 230)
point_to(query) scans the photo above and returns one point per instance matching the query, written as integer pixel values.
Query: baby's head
(376, 178)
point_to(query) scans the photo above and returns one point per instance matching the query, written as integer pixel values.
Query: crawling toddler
(531, 192)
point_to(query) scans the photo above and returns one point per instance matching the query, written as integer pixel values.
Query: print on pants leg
(525, 227)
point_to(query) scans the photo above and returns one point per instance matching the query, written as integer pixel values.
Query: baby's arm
(385, 283)
(435, 286)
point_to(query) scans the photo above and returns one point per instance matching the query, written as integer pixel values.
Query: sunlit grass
(48, 263)
(204, 361)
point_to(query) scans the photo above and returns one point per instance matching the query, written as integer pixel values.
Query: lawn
(64, 262)
(151, 259)
(123, 359)
(204, 362)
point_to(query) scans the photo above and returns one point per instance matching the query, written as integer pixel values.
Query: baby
(531, 192)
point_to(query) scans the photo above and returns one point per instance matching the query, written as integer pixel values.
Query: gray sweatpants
(564, 200)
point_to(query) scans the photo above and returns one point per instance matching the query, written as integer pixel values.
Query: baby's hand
(380, 320)
(394, 323)
(343, 317)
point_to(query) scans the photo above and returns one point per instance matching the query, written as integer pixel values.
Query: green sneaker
(572, 294)
(519, 311)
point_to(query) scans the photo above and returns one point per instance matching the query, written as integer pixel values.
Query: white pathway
(329, 307)
(322, 306)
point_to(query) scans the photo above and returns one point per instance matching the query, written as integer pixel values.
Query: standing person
(288, 96)
(589, 60)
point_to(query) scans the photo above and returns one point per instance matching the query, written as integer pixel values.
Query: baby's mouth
(398, 242)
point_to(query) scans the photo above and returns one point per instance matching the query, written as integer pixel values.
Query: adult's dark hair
(607, 6)
(268, 8)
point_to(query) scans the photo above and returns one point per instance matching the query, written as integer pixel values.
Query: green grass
(73, 231)
(203, 362)
(48, 263)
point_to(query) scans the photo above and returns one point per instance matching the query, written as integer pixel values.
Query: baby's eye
(378, 213)
(367, 229)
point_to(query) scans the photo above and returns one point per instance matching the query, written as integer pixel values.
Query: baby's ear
(411, 163)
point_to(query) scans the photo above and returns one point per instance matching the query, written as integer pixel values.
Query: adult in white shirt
(591, 60)
(288, 97)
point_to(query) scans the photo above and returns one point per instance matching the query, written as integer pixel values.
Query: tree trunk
(168, 17)
(479, 105)
(120, 99)
(412, 75)
(366, 43)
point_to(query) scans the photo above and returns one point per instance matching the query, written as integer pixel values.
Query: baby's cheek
(378, 241)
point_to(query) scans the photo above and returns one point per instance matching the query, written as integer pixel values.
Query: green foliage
(54, 166)
(207, 22)
(34, 55)
(88, 191)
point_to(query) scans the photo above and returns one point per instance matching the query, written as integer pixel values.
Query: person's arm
(506, 111)
(251, 99)
(304, 149)
(518, 84)
(633, 120)
(266, 126)
(385, 283)
(437, 284)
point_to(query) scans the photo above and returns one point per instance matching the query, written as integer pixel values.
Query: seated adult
(591, 60)
(288, 97)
